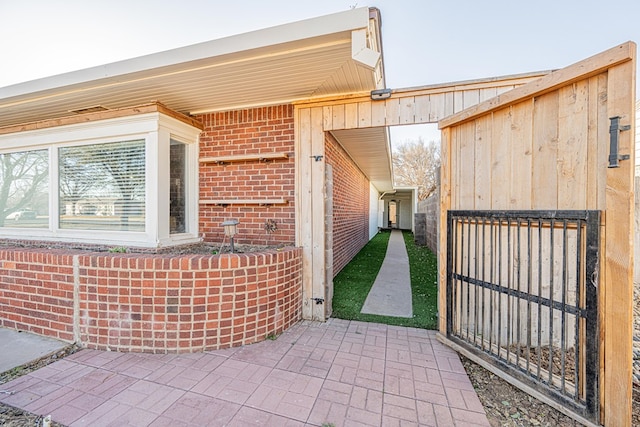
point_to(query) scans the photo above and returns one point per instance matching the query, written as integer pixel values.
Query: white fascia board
(108, 129)
(105, 130)
(347, 21)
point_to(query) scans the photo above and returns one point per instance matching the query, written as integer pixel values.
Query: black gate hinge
(614, 137)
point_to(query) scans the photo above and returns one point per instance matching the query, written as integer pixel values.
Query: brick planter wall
(249, 132)
(350, 205)
(150, 303)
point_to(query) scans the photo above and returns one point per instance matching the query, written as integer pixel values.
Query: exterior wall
(431, 207)
(375, 213)
(405, 215)
(248, 132)
(350, 205)
(637, 139)
(36, 292)
(150, 303)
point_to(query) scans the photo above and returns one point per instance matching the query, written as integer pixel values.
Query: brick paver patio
(340, 373)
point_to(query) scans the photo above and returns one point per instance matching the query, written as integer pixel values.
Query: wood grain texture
(618, 284)
(578, 71)
(544, 171)
(483, 177)
(364, 115)
(521, 156)
(304, 205)
(318, 193)
(548, 146)
(500, 159)
(245, 158)
(445, 205)
(152, 107)
(465, 154)
(573, 126)
(411, 106)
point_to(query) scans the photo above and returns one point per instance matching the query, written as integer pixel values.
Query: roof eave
(315, 27)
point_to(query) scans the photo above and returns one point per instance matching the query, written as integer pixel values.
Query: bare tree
(23, 180)
(77, 176)
(416, 163)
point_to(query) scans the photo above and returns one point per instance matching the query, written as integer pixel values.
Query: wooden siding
(426, 104)
(545, 146)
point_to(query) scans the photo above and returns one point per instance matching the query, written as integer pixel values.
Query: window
(128, 181)
(102, 186)
(177, 187)
(24, 187)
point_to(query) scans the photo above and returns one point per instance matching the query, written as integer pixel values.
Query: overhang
(322, 57)
(370, 148)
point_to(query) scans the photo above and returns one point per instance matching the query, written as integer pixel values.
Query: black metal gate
(522, 294)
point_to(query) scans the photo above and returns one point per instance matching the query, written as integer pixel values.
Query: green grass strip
(351, 286)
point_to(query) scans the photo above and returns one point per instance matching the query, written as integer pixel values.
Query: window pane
(177, 187)
(102, 186)
(24, 189)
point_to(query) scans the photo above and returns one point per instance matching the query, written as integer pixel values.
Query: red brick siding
(246, 132)
(152, 303)
(350, 205)
(36, 292)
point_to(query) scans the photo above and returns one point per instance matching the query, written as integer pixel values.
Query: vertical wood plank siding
(545, 146)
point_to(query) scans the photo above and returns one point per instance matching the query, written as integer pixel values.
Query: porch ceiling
(322, 57)
(371, 150)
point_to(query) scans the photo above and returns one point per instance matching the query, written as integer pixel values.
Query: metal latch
(318, 300)
(614, 142)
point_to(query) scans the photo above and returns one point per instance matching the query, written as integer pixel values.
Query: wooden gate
(563, 142)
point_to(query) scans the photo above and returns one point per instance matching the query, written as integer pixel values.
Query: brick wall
(350, 205)
(249, 132)
(151, 303)
(36, 292)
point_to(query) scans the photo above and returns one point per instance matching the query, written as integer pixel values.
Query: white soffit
(314, 58)
(366, 148)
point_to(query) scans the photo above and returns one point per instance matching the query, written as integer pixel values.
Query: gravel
(506, 405)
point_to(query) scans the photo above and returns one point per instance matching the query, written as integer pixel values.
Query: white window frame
(157, 130)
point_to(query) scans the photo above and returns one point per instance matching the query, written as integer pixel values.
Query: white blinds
(102, 186)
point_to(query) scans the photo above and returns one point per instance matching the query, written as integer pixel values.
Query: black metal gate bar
(491, 309)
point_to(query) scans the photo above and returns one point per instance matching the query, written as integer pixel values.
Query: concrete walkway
(342, 372)
(390, 294)
(18, 348)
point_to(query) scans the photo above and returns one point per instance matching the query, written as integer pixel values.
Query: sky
(424, 41)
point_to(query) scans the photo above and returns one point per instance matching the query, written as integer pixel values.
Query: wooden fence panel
(548, 146)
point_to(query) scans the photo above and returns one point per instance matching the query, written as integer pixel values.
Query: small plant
(328, 425)
(272, 336)
(118, 250)
(270, 226)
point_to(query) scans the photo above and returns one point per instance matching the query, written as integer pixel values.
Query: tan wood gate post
(617, 304)
(311, 209)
